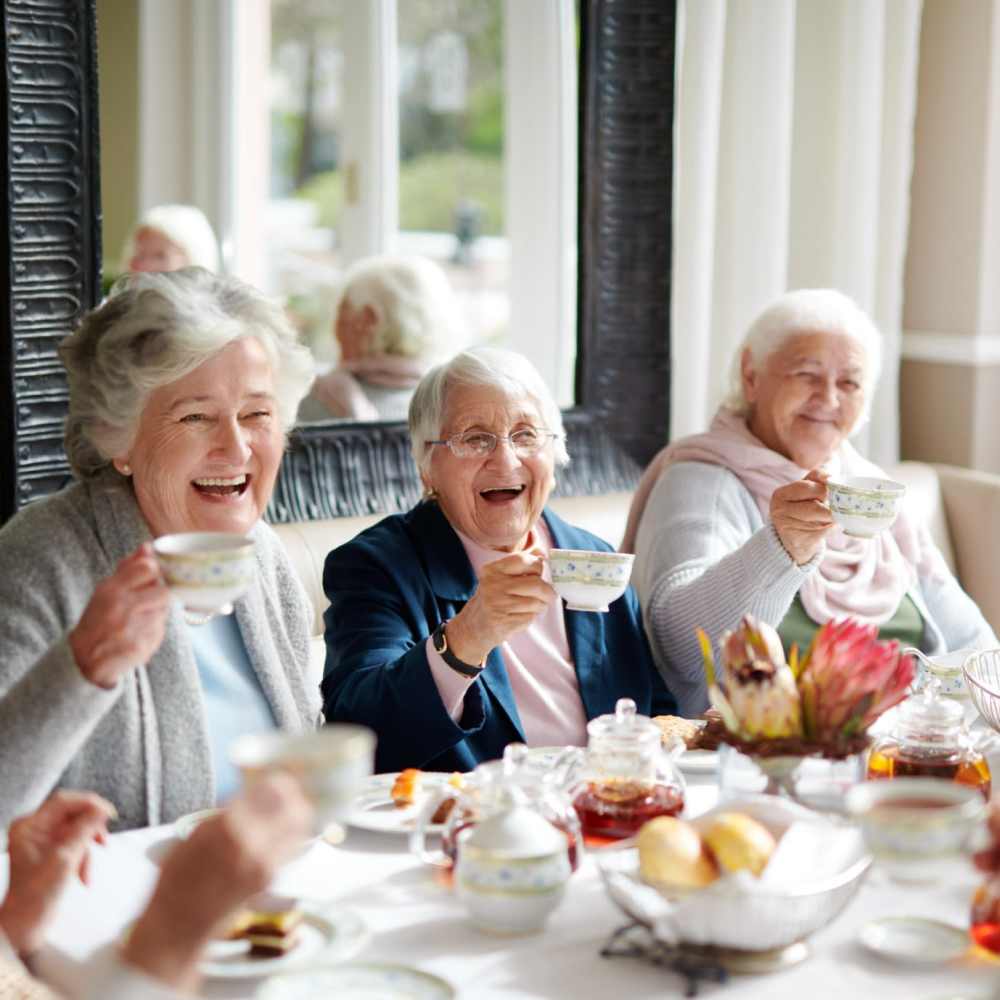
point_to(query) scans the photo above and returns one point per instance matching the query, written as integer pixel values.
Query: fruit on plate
(671, 853)
(739, 842)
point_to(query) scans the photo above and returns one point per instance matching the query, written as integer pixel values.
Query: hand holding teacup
(124, 621)
(510, 595)
(801, 517)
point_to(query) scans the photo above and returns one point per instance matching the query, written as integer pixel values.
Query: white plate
(374, 809)
(358, 981)
(329, 933)
(914, 939)
(698, 761)
(333, 834)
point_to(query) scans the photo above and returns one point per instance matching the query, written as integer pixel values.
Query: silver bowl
(728, 914)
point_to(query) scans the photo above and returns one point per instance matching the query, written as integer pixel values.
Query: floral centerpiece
(820, 704)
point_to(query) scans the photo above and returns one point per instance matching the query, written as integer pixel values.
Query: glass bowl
(982, 678)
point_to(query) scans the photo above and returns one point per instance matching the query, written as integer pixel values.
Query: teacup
(864, 505)
(206, 570)
(331, 763)
(915, 826)
(589, 581)
(946, 668)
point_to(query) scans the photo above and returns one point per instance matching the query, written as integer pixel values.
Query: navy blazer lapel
(584, 630)
(453, 579)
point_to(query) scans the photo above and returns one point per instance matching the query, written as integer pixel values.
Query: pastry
(270, 924)
(406, 787)
(443, 811)
(673, 727)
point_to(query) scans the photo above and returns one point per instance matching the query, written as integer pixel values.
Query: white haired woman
(169, 237)
(396, 317)
(736, 520)
(181, 387)
(443, 632)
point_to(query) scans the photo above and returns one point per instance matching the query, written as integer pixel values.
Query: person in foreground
(396, 317)
(202, 881)
(735, 521)
(181, 387)
(443, 633)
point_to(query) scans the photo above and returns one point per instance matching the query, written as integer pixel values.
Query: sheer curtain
(794, 138)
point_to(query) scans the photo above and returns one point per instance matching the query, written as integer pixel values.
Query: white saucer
(698, 761)
(357, 980)
(914, 939)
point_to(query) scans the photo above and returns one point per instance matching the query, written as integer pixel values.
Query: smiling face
(495, 500)
(208, 445)
(807, 396)
(152, 251)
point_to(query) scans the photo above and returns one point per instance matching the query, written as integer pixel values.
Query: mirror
(622, 346)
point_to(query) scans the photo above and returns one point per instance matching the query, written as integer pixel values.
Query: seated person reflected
(396, 317)
(169, 237)
(736, 520)
(444, 634)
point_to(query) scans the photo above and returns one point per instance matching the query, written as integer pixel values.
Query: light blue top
(234, 700)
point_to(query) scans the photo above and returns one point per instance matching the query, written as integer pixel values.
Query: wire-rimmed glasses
(526, 441)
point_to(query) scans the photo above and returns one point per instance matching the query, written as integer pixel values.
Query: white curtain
(793, 152)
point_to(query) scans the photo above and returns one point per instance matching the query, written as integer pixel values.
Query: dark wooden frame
(51, 249)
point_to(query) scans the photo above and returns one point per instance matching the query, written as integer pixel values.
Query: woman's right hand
(801, 517)
(510, 596)
(125, 620)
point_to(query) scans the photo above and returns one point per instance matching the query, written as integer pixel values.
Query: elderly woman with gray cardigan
(181, 387)
(736, 520)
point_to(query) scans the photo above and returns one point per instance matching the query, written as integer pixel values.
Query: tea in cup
(206, 570)
(589, 581)
(865, 505)
(331, 763)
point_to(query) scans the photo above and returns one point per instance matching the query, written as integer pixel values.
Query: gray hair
(415, 308)
(154, 329)
(186, 227)
(806, 310)
(490, 367)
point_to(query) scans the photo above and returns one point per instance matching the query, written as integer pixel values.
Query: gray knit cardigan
(144, 743)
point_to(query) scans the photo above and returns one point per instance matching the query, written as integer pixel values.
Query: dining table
(400, 911)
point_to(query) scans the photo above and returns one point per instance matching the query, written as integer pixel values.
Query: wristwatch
(440, 641)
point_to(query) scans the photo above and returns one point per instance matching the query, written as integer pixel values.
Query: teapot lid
(929, 712)
(516, 832)
(625, 724)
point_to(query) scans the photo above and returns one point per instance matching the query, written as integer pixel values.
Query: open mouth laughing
(219, 486)
(502, 494)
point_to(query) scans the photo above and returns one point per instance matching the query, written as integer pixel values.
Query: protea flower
(848, 679)
(756, 694)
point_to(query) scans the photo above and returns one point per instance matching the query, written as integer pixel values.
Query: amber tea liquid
(617, 809)
(891, 762)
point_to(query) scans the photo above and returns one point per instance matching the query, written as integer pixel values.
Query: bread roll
(738, 842)
(671, 853)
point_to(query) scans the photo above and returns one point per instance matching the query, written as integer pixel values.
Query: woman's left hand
(801, 516)
(46, 848)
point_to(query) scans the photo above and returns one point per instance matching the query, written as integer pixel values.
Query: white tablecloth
(416, 920)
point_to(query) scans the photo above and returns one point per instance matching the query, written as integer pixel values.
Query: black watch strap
(440, 641)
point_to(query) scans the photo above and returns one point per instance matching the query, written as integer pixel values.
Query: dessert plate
(698, 761)
(333, 834)
(914, 939)
(374, 809)
(329, 933)
(358, 981)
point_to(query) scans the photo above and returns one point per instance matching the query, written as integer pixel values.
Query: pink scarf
(864, 578)
(341, 390)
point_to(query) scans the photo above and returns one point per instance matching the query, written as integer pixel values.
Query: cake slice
(270, 924)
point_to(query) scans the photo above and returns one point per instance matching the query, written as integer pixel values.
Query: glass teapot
(625, 777)
(930, 739)
(521, 778)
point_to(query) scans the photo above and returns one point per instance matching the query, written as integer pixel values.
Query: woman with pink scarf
(735, 520)
(397, 317)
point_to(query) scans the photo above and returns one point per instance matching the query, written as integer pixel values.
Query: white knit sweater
(705, 557)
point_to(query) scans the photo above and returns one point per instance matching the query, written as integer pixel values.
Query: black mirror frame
(52, 253)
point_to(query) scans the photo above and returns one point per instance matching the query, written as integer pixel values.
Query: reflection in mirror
(326, 132)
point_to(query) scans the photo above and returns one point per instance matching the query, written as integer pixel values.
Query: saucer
(914, 939)
(358, 981)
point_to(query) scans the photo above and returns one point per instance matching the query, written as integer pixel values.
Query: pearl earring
(126, 469)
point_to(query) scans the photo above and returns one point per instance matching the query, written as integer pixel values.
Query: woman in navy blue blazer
(443, 633)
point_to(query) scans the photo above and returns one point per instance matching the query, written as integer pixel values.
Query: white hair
(184, 225)
(416, 312)
(806, 310)
(490, 367)
(153, 329)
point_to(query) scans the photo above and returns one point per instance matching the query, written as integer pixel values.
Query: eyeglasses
(526, 442)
